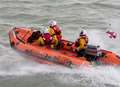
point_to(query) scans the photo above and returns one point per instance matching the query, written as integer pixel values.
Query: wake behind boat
(65, 55)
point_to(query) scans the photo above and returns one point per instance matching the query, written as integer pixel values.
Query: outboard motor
(92, 52)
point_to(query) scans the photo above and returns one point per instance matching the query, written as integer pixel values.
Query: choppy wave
(101, 76)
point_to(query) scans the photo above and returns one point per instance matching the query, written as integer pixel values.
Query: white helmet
(83, 33)
(52, 23)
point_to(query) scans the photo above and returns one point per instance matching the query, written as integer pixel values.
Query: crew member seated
(36, 37)
(81, 43)
(41, 41)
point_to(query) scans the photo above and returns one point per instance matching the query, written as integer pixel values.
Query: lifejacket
(47, 38)
(55, 33)
(55, 40)
(82, 42)
(40, 41)
(54, 30)
(59, 37)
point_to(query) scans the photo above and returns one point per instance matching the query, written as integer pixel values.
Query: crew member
(40, 40)
(81, 43)
(55, 33)
(54, 28)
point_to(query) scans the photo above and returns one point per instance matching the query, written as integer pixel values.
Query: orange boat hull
(18, 39)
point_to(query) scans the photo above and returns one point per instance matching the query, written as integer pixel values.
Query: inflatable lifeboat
(20, 39)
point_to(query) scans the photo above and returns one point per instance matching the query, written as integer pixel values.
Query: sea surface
(95, 16)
